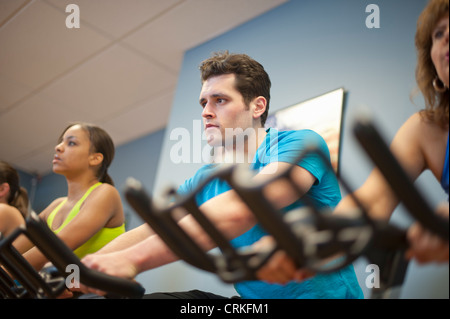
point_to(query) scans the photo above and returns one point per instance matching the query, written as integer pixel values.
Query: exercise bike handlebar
(60, 255)
(372, 142)
(374, 239)
(231, 266)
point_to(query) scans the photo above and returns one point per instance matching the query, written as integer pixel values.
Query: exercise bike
(313, 237)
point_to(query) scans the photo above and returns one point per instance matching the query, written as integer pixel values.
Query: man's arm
(228, 213)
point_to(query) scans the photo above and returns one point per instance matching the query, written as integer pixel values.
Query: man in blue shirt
(235, 98)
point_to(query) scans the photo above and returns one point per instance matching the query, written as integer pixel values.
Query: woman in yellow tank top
(91, 215)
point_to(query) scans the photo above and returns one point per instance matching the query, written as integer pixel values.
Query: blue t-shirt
(286, 146)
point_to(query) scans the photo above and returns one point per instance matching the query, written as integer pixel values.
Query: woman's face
(73, 151)
(439, 49)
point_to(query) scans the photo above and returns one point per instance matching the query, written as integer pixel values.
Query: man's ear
(4, 190)
(95, 159)
(259, 104)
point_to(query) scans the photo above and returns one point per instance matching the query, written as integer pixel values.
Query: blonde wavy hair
(436, 104)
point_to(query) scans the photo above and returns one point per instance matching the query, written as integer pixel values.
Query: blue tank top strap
(445, 172)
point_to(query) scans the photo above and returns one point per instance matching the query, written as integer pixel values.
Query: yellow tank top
(100, 239)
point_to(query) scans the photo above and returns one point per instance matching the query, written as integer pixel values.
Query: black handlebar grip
(61, 256)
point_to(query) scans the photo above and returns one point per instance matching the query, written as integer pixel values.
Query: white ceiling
(118, 70)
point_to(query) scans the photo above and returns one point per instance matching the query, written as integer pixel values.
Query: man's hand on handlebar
(279, 268)
(111, 264)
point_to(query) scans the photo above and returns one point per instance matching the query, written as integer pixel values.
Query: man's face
(223, 107)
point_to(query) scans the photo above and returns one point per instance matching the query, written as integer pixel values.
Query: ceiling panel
(12, 91)
(36, 46)
(149, 116)
(110, 82)
(192, 23)
(31, 125)
(118, 70)
(114, 17)
(9, 8)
